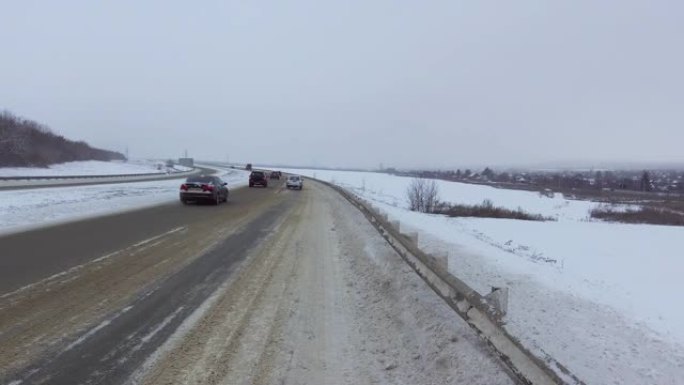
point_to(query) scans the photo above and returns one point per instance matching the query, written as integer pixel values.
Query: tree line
(25, 143)
(631, 180)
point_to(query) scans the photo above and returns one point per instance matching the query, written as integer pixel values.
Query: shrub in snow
(422, 195)
(644, 214)
(487, 210)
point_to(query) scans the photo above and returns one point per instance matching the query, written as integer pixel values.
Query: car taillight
(184, 187)
(207, 187)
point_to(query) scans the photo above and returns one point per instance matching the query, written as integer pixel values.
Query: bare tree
(414, 194)
(422, 195)
(645, 183)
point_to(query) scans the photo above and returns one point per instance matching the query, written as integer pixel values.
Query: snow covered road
(278, 286)
(328, 302)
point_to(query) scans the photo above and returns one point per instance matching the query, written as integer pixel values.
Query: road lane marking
(148, 240)
(89, 334)
(71, 270)
(161, 326)
(96, 329)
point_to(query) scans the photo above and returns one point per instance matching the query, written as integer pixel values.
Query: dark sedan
(204, 188)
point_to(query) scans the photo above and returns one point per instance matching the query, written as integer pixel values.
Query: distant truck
(248, 167)
(186, 162)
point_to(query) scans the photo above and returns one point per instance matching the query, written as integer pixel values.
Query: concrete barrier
(498, 297)
(443, 261)
(412, 237)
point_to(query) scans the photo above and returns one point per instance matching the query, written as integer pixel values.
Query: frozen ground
(601, 298)
(90, 167)
(22, 209)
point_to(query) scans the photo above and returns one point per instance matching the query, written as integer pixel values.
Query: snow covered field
(22, 209)
(90, 167)
(601, 298)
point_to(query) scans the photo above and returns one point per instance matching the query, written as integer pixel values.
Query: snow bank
(602, 298)
(90, 167)
(22, 209)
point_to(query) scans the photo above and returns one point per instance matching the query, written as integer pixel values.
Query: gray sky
(353, 83)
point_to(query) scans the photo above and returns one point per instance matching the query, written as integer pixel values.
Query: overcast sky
(353, 83)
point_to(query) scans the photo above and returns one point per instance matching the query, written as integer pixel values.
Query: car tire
(184, 201)
(217, 199)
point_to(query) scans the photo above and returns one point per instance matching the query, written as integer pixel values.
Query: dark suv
(204, 188)
(258, 178)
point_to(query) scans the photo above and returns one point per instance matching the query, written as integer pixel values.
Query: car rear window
(257, 173)
(200, 179)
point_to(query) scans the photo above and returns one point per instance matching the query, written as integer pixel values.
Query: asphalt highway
(275, 286)
(177, 254)
(29, 256)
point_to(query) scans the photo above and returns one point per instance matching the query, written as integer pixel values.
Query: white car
(295, 182)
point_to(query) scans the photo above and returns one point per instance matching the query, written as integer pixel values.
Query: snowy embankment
(24, 209)
(91, 167)
(601, 298)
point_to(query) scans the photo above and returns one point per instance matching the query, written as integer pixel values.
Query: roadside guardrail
(28, 182)
(483, 313)
(51, 177)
